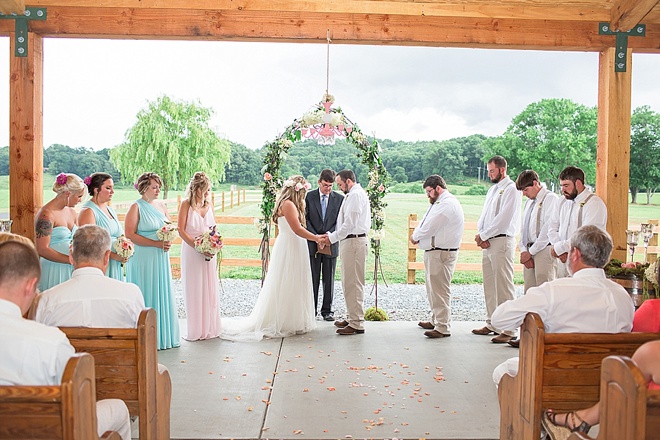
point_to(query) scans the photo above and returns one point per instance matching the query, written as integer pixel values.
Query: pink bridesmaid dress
(200, 282)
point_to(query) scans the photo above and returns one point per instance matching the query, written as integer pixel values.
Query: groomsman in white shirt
(439, 235)
(539, 265)
(498, 226)
(580, 207)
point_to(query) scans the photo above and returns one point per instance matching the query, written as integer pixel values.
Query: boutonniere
(501, 191)
(582, 203)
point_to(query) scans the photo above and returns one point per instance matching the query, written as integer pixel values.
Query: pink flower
(308, 186)
(630, 265)
(267, 176)
(87, 180)
(381, 188)
(61, 179)
(135, 185)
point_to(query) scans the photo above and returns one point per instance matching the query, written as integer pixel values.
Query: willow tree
(173, 139)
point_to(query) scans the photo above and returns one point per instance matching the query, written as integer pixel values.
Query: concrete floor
(391, 382)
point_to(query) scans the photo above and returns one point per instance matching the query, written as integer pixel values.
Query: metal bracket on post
(21, 46)
(621, 42)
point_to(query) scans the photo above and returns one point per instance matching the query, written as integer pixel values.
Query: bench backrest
(559, 371)
(66, 411)
(126, 366)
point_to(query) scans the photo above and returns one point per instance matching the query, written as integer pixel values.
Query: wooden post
(223, 201)
(26, 159)
(412, 249)
(613, 155)
(231, 199)
(238, 197)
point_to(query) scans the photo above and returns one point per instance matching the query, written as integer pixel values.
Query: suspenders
(579, 225)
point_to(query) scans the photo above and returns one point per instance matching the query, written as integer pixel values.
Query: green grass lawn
(394, 245)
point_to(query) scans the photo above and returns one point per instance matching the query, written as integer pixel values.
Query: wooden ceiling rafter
(626, 14)
(8, 7)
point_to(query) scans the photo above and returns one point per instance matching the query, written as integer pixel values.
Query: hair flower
(87, 180)
(61, 179)
(299, 186)
(135, 185)
(288, 183)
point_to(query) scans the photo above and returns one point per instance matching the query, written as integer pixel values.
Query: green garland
(277, 152)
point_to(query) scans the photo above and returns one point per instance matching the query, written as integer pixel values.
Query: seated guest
(8, 236)
(32, 353)
(585, 303)
(647, 317)
(560, 426)
(89, 298)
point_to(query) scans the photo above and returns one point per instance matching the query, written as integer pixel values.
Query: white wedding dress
(285, 305)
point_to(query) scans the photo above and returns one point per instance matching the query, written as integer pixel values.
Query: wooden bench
(556, 370)
(127, 368)
(628, 409)
(66, 411)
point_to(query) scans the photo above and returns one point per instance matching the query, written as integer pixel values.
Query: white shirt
(354, 215)
(586, 303)
(565, 220)
(90, 299)
(546, 202)
(442, 225)
(506, 219)
(31, 353)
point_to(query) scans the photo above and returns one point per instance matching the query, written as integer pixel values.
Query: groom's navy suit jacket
(315, 222)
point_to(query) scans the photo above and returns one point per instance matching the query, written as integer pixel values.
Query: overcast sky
(93, 89)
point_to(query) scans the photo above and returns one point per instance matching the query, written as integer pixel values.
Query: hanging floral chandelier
(323, 122)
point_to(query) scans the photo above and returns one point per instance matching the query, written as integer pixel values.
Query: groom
(321, 210)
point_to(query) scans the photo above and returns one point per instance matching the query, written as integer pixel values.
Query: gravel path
(402, 302)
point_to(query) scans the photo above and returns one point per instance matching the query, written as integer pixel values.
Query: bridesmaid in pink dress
(198, 276)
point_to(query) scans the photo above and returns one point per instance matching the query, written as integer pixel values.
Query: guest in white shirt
(353, 224)
(586, 303)
(439, 234)
(498, 226)
(89, 298)
(539, 265)
(579, 207)
(33, 353)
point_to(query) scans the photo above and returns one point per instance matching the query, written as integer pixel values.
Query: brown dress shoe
(484, 331)
(348, 330)
(501, 339)
(426, 325)
(341, 324)
(435, 334)
(515, 343)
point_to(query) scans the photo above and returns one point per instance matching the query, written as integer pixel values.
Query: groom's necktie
(324, 205)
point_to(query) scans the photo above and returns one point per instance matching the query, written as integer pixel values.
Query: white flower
(377, 234)
(651, 274)
(287, 143)
(328, 98)
(313, 117)
(288, 183)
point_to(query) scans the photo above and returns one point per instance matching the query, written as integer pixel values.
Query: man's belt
(530, 244)
(442, 249)
(498, 236)
(356, 235)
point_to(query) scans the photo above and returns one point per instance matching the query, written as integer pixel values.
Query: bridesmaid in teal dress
(55, 224)
(149, 266)
(96, 211)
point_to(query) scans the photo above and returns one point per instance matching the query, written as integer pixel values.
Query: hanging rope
(327, 63)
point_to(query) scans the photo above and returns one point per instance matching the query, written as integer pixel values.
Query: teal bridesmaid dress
(113, 226)
(149, 268)
(53, 273)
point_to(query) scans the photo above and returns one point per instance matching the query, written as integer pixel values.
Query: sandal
(558, 431)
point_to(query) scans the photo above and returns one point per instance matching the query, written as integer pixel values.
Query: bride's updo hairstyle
(199, 183)
(67, 182)
(96, 182)
(144, 181)
(294, 189)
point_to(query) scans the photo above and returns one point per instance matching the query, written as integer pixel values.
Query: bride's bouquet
(210, 242)
(124, 248)
(168, 232)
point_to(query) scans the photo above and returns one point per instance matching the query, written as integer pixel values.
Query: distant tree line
(546, 136)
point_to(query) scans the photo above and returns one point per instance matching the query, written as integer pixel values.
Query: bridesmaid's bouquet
(124, 248)
(168, 232)
(210, 242)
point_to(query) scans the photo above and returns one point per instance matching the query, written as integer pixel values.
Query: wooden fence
(413, 265)
(226, 200)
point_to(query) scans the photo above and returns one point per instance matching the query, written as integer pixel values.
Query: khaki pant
(439, 266)
(545, 269)
(497, 263)
(353, 263)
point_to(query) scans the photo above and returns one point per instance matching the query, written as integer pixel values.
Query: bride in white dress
(285, 305)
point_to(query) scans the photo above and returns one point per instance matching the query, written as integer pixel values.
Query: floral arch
(322, 116)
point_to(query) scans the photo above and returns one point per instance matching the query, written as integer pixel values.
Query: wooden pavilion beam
(12, 7)
(626, 14)
(97, 22)
(26, 136)
(613, 153)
